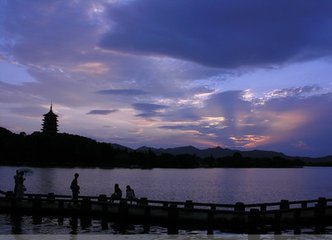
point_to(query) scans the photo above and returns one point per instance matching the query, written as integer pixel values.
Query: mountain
(216, 152)
(63, 149)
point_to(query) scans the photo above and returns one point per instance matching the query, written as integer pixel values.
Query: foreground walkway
(237, 218)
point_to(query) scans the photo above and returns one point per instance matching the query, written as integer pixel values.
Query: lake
(223, 185)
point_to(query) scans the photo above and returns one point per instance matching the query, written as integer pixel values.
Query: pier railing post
(211, 223)
(320, 222)
(123, 210)
(50, 197)
(297, 221)
(277, 222)
(60, 211)
(239, 207)
(104, 215)
(304, 204)
(86, 205)
(189, 204)
(36, 208)
(86, 212)
(143, 201)
(254, 221)
(284, 204)
(322, 201)
(9, 194)
(173, 215)
(237, 223)
(263, 208)
(102, 198)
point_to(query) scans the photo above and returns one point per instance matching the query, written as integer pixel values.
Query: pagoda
(50, 122)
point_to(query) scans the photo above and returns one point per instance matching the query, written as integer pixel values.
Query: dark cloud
(227, 33)
(148, 106)
(174, 127)
(56, 30)
(102, 112)
(148, 109)
(125, 92)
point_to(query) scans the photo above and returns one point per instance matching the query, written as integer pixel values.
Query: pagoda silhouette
(50, 122)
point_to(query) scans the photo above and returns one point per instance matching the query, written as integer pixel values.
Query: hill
(67, 150)
(216, 152)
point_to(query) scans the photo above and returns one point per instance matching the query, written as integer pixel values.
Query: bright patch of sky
(261, 81)
(14, 74)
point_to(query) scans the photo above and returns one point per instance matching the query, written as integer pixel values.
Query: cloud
(226, 34)
(101, 112)
(149, 109)
(148, 106)
(281, 123)
(38, 25)
(93, 68)
(174, 69)
(290, 92)
(124, 92)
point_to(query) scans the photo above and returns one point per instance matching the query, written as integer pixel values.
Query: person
(130, 193)
(16, 180)
(117, 194)
(75, 188)
(20, 188)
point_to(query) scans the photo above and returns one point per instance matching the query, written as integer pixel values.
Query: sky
(231, 73)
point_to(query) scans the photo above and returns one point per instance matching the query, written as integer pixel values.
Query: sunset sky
(231, 73)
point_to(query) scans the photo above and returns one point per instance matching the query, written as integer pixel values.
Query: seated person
(130, 193)
(117, 194)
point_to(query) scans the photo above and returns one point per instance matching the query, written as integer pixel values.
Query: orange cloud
(250, 141)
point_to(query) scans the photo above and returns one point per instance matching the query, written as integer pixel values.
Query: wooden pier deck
(239, 217)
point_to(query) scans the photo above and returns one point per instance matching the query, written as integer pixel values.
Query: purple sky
(232, 73)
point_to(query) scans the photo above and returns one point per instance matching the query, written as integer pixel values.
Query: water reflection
(16, 223)
(73, 224)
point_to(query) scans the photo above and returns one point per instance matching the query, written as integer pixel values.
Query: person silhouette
(117, 194)
(16, 180)
(130, 193)
(20, 188)
(75, 188)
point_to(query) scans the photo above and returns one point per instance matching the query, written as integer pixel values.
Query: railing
(238, 207)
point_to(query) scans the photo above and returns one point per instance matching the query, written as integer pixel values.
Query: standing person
(75, 188)
(20, 188)
(117, 194)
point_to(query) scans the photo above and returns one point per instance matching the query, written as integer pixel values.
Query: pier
(257, 218)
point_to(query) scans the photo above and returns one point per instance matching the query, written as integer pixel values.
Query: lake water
(200, 185)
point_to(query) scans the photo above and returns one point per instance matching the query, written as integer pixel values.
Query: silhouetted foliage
(67, 150)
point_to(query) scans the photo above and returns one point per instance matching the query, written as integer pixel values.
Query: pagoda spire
(50, 122)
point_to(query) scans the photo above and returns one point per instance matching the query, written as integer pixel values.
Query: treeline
(67, 150)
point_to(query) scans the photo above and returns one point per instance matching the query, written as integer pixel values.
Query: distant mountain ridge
(219, 152)
(216, 152)
(7, 136)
